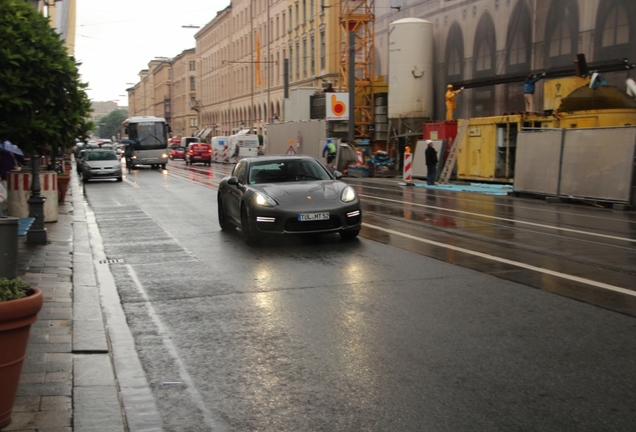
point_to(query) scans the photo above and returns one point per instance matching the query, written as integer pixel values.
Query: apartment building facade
(62, 15)
(184, 121)
(473, 39)
(240, 59)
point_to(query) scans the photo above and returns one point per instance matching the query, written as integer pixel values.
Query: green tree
(42, 101)
(110, 124)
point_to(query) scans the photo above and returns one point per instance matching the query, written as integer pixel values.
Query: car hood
(327, 190)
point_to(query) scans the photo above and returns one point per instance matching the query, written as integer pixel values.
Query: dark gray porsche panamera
(271, 195)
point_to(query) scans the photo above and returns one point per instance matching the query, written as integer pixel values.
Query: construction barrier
(225, 158)
(359, 159)
(19, 191)
(408, 167)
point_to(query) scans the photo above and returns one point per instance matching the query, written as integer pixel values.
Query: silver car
(100, 164)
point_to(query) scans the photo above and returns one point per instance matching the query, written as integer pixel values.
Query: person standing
(128, 153)
(528, 90)
(431, 163)
(451, 101)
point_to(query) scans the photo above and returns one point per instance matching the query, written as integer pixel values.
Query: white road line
(172, 351)
(507, 261)
(504, 219)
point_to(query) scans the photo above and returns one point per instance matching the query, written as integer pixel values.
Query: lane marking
(505, 219)
(507, 261)
(171, 350)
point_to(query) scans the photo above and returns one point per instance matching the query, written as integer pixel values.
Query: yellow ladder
(452, 154)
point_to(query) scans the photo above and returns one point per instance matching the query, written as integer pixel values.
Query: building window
(192, 64)
(483, 62)
(322, 50)
(192, 84)
(561, 41)
(616, 29)
(304, 11)
(312, 6)
(562, 30)
(304, 58)
(297, 15)
(454, 63)
(517, 54)
(297, 60)
(312, 55)
(291, 61)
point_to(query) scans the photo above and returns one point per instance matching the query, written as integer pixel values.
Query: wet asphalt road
(369, 335)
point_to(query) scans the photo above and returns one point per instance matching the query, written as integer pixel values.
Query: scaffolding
(357, 16)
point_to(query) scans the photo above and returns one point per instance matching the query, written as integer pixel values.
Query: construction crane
(357, 16)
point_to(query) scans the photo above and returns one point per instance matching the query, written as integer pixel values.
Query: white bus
(148, 138)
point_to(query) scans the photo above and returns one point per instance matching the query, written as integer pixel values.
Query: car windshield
(101, 155)
(290, 170)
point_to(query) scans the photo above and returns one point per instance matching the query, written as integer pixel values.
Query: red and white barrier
(19, 191)
(360, 160)
(225, 158)
(408, 167)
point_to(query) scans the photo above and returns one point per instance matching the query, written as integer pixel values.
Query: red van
(199, 152)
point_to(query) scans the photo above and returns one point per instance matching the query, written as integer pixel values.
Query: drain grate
(112, 261)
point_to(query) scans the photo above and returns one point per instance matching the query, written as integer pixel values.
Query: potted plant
(63, 180)
(19, 306)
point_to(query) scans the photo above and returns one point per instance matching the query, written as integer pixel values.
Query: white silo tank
(411, 69)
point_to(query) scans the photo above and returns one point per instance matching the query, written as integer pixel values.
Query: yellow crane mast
(358, 16)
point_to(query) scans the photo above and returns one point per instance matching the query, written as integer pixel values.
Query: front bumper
(278, 221)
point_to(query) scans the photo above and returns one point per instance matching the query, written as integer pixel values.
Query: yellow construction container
(555, 90)
(487, 152)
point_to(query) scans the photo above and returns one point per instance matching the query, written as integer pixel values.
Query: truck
(242, 145)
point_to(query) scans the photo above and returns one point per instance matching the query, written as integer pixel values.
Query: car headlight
(348, 194)
(263, 200)
(164, 155)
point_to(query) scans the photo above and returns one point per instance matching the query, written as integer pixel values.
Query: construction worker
(451, 103)
(528, 90)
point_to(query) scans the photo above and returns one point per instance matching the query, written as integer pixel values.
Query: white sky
(116, 39)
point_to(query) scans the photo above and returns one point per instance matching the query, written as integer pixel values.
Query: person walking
(431, 163)
(451, 101)
(128, 153)
(329, 152)
(528, 90)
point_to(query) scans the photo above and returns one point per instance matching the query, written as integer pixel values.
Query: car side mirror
(232, 181)
(338, 175)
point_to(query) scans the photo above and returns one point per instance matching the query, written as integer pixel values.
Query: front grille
(293, 225)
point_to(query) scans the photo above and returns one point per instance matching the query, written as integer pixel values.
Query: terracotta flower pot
(62, 187)
(16, 317)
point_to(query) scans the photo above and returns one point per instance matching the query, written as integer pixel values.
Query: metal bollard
(8, 247)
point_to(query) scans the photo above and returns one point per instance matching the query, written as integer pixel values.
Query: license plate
(304, 217)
